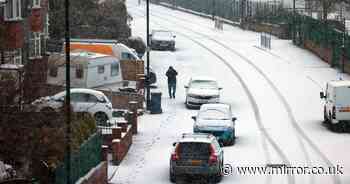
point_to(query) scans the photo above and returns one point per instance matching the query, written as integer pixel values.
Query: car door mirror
(186, 86)
(194, 118)
(221, 144)
(234, 119)
(322, 95)
(220, 88)
(174, 36)
(150, 35)
(174, 143)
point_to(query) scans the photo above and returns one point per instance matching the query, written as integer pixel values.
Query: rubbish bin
(156, 103)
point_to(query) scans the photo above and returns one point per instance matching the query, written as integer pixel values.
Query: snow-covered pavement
(274, 94)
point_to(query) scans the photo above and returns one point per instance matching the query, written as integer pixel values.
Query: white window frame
(16, 13)
(17, 58)
(13, 56)
(35, 39)
(46, 26)
(36, 3)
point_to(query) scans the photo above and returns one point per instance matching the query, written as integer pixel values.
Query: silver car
(162, 40)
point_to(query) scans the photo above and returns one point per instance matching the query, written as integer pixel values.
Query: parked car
(336, 110)
(196, 154)
(216, 119)
(162, 40)
(202, 90)
(82, 100)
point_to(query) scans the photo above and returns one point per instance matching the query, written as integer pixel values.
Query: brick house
(24, 31)
(24, 25)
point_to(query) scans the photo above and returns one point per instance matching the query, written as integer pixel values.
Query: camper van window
(92, 98)
(101, 69)
(126, 55)
(53, 71)
(114, 69)
(79, 97)
(79, 72)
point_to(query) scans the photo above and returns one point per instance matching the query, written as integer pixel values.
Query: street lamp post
(148, 90)
(68, 107)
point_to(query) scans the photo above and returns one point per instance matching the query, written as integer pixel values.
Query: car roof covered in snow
(203, 78)
(197, 137)
(340, 83)
(83, 90)
(215, 106)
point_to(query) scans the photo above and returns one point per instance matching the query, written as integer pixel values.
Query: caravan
(108, 47)
(88, 70)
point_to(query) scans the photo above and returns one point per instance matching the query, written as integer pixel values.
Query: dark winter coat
(171, 74)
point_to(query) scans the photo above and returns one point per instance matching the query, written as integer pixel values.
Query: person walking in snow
(171, 74)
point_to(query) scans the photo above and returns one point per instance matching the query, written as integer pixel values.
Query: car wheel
(101, 118)
(325, 117)
(233, 139)
(47, 110)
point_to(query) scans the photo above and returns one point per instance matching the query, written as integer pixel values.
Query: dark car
(197, 154)
(162, 40)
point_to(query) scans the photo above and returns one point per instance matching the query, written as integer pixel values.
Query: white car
(202, 90)
(216, 119)
(82, 100)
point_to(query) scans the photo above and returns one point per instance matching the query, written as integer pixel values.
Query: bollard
(116, 132)
(116, 149)
(123, 126)
(104, 152)
(133, 109)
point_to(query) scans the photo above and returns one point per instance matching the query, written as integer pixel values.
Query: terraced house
(24, 30)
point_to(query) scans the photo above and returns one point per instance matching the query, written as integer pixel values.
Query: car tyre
(101, 118)
(47, 110)
(232, 141)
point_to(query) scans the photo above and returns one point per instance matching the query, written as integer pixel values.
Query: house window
(13, 10)
(79, 72)
(101, 69)
(46, 26)
(53, 71)
(114, 69)
(36, 3)
(35, 45)
(13, 56)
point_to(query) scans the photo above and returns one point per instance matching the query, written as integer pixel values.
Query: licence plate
(196, 162)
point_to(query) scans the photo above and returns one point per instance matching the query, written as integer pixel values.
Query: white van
(337, 105)
(88, 70)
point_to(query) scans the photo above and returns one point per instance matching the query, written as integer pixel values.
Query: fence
(82, 161)
(335, 43)
(328, 41)
(234, 10)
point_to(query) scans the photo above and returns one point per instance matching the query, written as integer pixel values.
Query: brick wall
(324, 53)
(120, 146)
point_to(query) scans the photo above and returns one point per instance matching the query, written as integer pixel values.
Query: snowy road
(273, 93)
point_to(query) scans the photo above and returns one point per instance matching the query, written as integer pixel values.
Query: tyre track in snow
(293, 121)
(257, 114)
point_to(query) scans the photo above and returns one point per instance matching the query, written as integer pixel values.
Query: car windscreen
(204, 84)
(194, 150)
(163, 34)
(210, 114)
